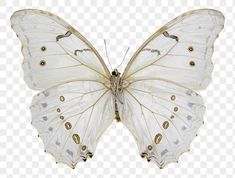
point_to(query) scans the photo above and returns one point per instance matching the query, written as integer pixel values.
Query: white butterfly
(154, 97)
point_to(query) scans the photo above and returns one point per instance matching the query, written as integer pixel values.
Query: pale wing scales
(159, 106)
(180, 51)
(152, 107)
(82, 108)
(49, 47)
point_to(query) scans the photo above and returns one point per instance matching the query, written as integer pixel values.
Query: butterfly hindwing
(163, 117)
(70, 119)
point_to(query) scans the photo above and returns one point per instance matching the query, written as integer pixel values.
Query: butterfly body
(155, 97)
(116, 87)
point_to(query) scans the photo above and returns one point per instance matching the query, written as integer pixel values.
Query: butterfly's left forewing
(54, 52)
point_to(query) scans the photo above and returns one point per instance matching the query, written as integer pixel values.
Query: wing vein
(152, 62)
(153, 116)
(169, 111)
(163, 99)
(77, 114)
(67, 101)
(81, 62)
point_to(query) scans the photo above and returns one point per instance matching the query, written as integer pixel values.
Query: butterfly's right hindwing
(163, 118)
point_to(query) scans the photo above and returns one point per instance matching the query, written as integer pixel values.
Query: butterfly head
(115, 73)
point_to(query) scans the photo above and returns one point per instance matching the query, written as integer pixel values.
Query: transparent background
(122, 23)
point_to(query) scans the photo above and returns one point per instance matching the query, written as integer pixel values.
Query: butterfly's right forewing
(180, 51)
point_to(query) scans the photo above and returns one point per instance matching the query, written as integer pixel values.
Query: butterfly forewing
(54, 52)
(183, 46)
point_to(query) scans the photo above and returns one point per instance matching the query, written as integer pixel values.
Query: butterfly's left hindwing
(70, 119)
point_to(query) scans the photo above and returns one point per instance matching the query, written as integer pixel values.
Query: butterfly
(155, 97)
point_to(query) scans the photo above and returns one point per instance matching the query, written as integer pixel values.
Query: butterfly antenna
(107, 54)
(123, 57)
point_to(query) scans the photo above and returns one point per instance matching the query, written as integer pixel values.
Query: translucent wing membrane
(54, 52)
(180, 51)
(70, 119)
(163, 117)
(72, 114)
(159, 106)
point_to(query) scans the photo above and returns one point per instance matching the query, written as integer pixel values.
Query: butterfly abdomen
(117, 117)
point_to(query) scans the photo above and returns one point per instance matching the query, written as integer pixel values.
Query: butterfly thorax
(116, 82)
(116, 87)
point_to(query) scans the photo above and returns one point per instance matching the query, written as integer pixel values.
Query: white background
(122, 23)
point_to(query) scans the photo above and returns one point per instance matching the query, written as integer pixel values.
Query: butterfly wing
(159, 106)
(163, 118)
(180, 51)
(76, 105)
(54, 52)
(70, 119)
